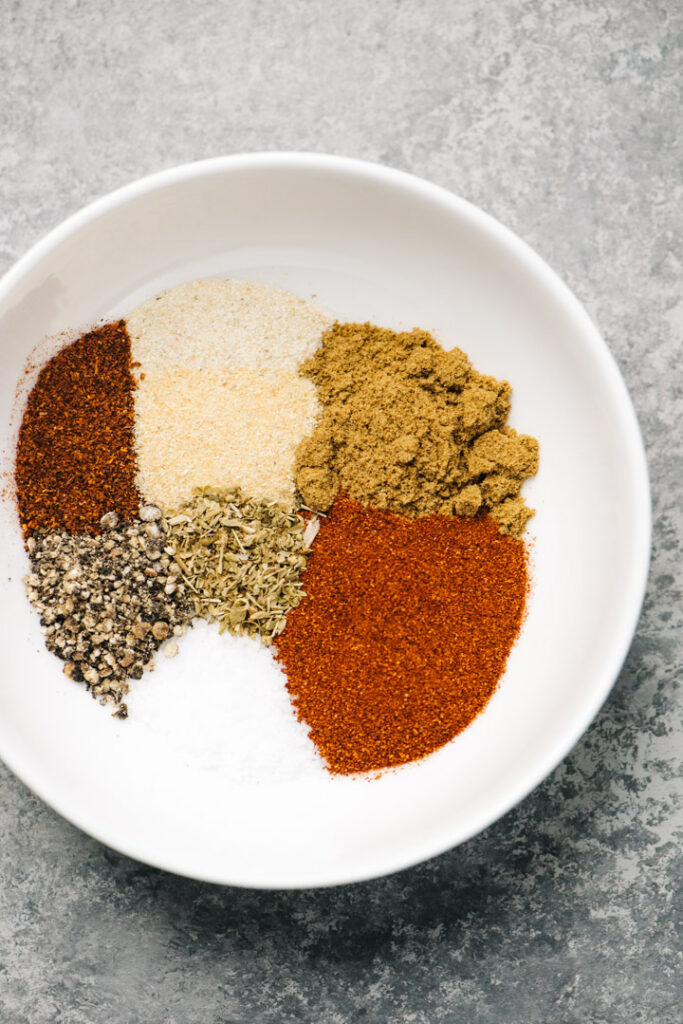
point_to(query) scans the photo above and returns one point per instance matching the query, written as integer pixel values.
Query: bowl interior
(363, 243)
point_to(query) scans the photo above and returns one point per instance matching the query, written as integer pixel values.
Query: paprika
(404, 633)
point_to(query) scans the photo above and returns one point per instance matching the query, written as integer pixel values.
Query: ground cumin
(404, 633)
(76, 455)
(409, 427)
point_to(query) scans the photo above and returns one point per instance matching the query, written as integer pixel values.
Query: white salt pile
(221, 705)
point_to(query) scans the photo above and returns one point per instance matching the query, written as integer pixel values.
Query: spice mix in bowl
(269, 481)
(346, 494)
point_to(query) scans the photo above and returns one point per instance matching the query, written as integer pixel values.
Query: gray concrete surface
(563, 119)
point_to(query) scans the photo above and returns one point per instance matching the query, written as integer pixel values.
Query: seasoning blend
(233, 413)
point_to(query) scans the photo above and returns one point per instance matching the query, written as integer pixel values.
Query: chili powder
(404, 633)
(76, 453)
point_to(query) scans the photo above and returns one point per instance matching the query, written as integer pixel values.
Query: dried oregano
(241, 559)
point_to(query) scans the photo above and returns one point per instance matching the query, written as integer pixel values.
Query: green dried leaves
(241, 559)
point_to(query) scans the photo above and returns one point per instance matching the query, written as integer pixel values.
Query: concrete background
(564, 120)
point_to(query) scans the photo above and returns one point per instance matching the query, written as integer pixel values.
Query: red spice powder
(404, 633)
(76, 455)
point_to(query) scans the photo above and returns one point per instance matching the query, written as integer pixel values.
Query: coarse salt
(222, 706)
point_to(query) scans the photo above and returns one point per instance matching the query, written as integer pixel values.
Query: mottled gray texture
(564, 120)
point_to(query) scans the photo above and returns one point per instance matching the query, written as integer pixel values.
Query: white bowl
(369, 243)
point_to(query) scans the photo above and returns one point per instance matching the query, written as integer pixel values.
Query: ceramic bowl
(368, 243)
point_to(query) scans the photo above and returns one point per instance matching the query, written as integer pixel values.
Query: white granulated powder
(197, 428)
(215, 324)
(222, 706)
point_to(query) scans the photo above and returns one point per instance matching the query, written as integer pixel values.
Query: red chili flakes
(76, 454)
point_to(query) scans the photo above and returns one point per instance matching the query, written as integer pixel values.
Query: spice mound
(219, 399)
(241, 559)
(76, 451)
(214, 323)
(346, 495)
(107, 603)
(197, 427)
(409, 427)
(403, 634)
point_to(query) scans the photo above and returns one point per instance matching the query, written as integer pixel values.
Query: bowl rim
(452, 834)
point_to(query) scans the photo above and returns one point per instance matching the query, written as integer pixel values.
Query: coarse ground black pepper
(107, 603)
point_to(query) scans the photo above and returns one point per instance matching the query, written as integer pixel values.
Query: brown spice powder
(411, 428)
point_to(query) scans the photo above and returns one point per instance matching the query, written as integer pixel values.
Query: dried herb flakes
(240, 558)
